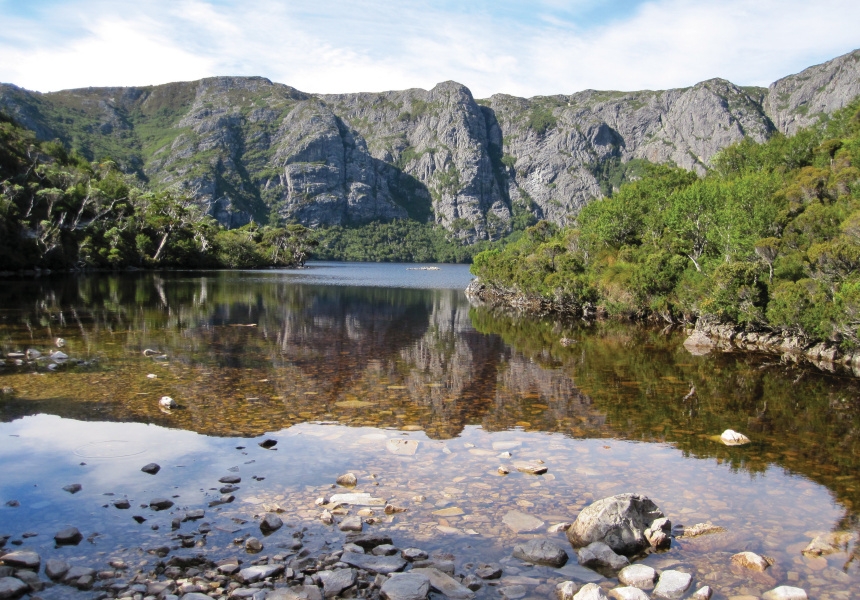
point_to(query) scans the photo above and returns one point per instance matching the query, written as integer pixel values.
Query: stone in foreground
(22, 559)
(444, 584)
(12, 587)
(618, 521)
(598, 554)
(374, 564)
(541, 552)
(672, 585)
(271, 522)
(591, 591)
(640, 576)
(406, 586)
(335, 582)
(785, 592)
(628, 593)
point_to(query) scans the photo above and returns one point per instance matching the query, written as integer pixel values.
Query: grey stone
(385, 550)
(412, 554)
(628, 593)
(22, 559)
(374, 564)
(122, 504)
(194, 515)
(750, 560)
(160, 503)
(541, 552)
(73, 488)
(445, 584)
(56, 568)
(599, 554)
(347, 479)
(489, 571)
(672, 585)
(68, 536)
(406, 586)
(619, 521)
(233, 479)
(566, 590)
(151, 468)
(590, 591)
(703, 593)
(12, 587)
(270, 523)
(638, 575)
(259, 572)
(368, 541)
(513, 592)
(76, 573)
(335, 582)
(352, 523)
(253, 545)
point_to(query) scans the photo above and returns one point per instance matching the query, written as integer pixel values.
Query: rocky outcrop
(247, 148)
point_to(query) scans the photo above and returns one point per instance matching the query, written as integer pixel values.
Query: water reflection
(247, 354)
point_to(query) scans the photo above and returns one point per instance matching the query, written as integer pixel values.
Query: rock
(33, 354)
(628, 593)
(268, 444)
(357, 499)
(194, 515)
(270, 523)
(73, 488)
(619, 521)
(69, 536)
(406, 586)
(532, 468)
(590, 591)
(56, 568)
(402, 447)
(232, 479)
(259, 572)
(22, 559)
(385, 550)
(566, 590)
(639, 575)
(13, 503)
(350, 524)
(228, 489)
(151, 468)
(326, 517)
(541, 552)
(698, 343)
(167, 402)
(160, 503)
(335, 582)
(122, 504)
(672, 585)
(12, 587)
(703, 593)
(785, 592)
(59, 356)
(521, 522)
(558, 527)
(750, 560)
(374, 564)
(659, 534)
(700, 529)
(368, 541)
(513, 592)
(503, 470)
(829, 543)
(444, 584)
(413, 554)
(732, 438)
(253, 545)
(390, 509)
(75, 574)
(489, 571)
(599, 554)
(347, 480)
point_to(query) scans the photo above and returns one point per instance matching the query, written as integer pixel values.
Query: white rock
(672, 585)
(732, 438)
(402, 447)
(703, 593)
(60, 342)
(639, 575)
(591, 591)
(566, 590)
(785, 592)
(628, 593)
(357, 499)
(167, 402)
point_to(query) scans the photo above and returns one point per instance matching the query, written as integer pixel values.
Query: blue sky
(519, 47)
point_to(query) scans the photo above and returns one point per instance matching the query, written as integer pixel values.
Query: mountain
(247, 148)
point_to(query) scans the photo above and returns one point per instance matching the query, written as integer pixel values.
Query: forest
(768, 238)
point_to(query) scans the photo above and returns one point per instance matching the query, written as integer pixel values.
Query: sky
(519, 47)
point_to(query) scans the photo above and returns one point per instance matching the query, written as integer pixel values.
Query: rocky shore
(705, 335)
(608, 539)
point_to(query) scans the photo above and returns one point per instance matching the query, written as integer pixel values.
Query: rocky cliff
(248, 148)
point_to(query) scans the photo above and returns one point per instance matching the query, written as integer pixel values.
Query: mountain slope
(247, 148)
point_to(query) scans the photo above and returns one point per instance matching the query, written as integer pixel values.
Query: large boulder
(618, 521)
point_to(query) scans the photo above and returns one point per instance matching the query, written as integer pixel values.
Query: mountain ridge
(248, 148)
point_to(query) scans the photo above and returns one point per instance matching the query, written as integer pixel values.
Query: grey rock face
(271, 522)
(12, 587)
(598, 554)
(246, 148)
(335, 582)
(619, 521)
(672, 585)
(68, 536)
(374, 564)
(406, 586)
(22, 559)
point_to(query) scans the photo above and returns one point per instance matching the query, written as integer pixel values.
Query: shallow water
(334, 361)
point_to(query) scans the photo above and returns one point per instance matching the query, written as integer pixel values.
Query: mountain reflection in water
(246, 354)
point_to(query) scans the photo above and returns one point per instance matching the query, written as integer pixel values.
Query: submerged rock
(69, 536)
(541, 552)
(521, 522)
(619, 521)
(599, 554)
(406, 586)
(751, 561)
(785, 592)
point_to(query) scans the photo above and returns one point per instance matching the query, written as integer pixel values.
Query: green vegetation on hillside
(770, 237)
(58, 210)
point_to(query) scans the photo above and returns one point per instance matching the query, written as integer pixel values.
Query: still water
(335, 361)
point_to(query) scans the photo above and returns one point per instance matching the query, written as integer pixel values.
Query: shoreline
(705, 335)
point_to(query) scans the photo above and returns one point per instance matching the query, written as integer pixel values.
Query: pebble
(270, 523)
(628, 593)
(151, 468)
(73, 488)
(335, 582)
(672, 584)
(69, 536)
(347, 480)
(445, 584)
(785, 592)
(703, 593)
(160, 503)
(599, 554)
(350, 524)
(750, 560)
(122, 504)
(638, 575)
(732, 438)
(268, 444)
(253, 545)
(541, 552)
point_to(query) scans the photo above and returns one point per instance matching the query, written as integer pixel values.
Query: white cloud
(373, 45)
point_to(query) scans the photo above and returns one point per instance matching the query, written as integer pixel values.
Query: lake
(386, 371)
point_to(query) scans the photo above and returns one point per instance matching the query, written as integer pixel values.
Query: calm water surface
(335, 361)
